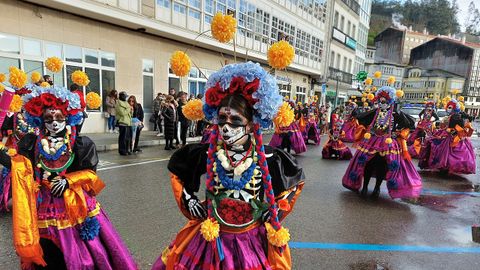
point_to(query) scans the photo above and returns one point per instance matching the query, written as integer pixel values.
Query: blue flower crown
(390, 91)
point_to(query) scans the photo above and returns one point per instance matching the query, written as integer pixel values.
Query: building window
(164, 3)
(337, 64)
(345, 64)
(342, 23)
(335, 19)
(285, 89)
(301, 94)
(148, 85)
(354, 31)
(32, 47)
(196, 82)
(9, 44)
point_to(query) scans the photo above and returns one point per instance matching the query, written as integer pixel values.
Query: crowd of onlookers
(126, 117)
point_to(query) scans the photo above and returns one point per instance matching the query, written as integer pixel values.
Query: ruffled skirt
(291, 135)
(336, 149)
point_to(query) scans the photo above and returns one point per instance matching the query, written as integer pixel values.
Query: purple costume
(289, 138)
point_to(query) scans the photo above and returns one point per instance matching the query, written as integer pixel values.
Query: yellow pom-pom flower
(391, 80)
(193, 110)
(368, 81)
(399, 93)
(461, 98)
(377, 74)
(81, 78)
(280, 55)
(365, 104)
(54, 64)
(2, 77)
(2, 88)
(45, 85)
(35, 77)
(388, 140)
(285, 116)
(367, 136)
(462, 106)
(18, 78)
(180, 63)
(93, 100)
(364, 99)
(16, 104)
(12, 152)
(210, 229)
(374, 89)
(223, 27)
(277, 238)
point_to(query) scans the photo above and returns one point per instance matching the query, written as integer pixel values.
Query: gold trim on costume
(65, 223)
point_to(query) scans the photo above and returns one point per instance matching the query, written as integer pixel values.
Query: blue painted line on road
(376, 247)
(444, 192)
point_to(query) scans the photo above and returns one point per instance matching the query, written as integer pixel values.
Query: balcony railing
(341, 76)
(353, 5)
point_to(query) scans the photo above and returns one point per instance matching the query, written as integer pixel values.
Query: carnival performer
(251, 188)
(350, 121)
(15, 127)
(288, 137)
(311, 131)
(57, 222)
(425, 128)
(383, 151)
(449, 148)
(335, 148)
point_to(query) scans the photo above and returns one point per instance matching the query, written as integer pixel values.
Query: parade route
(331, 227)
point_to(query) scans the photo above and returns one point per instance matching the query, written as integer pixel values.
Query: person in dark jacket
(184, 122)
(137, 122)
(169, 114)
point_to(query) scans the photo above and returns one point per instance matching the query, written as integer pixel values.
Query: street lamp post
(337, 75)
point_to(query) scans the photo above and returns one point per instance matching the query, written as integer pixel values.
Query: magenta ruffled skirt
(349, 129)
(105, 250)
(5, 184)
(295, 138)
(311, 133)
(438, 155)
(403, 180)
(336, 150)
(246, 251)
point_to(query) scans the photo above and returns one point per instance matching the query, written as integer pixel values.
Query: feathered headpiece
(54, 97)
(251, 81)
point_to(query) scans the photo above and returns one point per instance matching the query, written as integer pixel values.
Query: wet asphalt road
(141, 206)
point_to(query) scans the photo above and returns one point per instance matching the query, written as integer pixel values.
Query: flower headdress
(455, 104)
(251, 81)
(387, 92)
(54, 97)
(430, 103)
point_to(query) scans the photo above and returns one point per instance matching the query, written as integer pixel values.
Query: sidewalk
(109, 141)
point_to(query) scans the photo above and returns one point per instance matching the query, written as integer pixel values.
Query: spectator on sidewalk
(111, 102)
(124, 121)
(184, 122)
(172, 92)
(163, 105)
(75, 88)
(169, 114)
(137, 122)
(157, 103)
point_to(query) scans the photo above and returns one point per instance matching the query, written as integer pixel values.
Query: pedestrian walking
(124, 121)
(169, 114)
(111, 102)
(137, 122)
(184, 122)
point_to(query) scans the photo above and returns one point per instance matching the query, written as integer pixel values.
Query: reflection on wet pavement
(369, 265)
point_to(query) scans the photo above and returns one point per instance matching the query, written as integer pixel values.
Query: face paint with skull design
(54, 120)
(232, 125)
(383, 104)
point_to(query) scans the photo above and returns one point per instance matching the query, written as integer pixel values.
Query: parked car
(412, 111)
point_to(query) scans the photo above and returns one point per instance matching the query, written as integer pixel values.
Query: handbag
(106, 115)
(152, 118)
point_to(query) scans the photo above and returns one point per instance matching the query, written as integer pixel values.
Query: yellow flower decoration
(399, 93)
(223, 27)
(462, 106)
(54, 64)
(45, 85)
(81, 78)
(455, 91)
(180, 63)
(365, 104)
(16, 104)
(210, 229)
(2, 88)
(461, 98)
(35, 77)
(364, 99)
(12, 152)
(391, 80)
(280, 55)
(2, 77)
(368, 81)
(388, 140)
(374, 89)
(285, 116)
(193, 110)
(277, 238)
(367, 136)
(93, 100)
(18, 78)
(377, 74)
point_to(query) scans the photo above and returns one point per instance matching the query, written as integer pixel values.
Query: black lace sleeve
(284, 170)
(189, 163)
(403, 120)
(456, 119)
(366, 118)
(86, 157)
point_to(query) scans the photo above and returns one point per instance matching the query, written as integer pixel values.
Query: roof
(435, 72)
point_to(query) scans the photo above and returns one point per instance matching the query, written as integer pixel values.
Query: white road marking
(133, 164)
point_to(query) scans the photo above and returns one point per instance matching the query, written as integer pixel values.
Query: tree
(472, 22)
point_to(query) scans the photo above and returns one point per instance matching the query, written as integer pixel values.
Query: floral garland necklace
(383, 120)
(244, 168)
(52, 149)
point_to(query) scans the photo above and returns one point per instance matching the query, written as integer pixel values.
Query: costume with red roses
(335, 148)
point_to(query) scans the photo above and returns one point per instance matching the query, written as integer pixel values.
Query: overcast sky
(462, 13)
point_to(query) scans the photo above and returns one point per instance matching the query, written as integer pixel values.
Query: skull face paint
(449, 109)
(232, 126)
(54, 121)
(383, 104)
